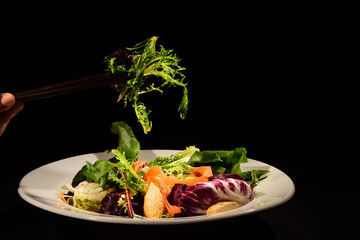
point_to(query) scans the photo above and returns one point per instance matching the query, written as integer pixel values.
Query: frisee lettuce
(127, 177)
(118, 169)
(86, 204)
(142, 62)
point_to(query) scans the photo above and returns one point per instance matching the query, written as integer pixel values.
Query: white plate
(41, 186)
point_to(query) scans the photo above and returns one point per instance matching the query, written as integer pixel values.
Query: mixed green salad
(185, 184)
(190, 183)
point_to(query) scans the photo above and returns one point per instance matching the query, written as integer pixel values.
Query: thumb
(7, 100)
(5, 117)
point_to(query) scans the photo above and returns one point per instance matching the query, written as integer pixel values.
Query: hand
(8, 109)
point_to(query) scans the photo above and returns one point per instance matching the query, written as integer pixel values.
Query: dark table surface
(256, 90)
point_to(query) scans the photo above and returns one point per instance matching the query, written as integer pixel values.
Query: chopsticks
(65, 87)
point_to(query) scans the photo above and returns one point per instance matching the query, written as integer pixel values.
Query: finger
(5, 117)
(7, 100)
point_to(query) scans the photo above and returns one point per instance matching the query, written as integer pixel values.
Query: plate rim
(144, 221)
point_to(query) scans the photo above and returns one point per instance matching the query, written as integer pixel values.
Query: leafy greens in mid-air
(142, 62)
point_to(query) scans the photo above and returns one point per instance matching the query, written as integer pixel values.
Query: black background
(254, 80)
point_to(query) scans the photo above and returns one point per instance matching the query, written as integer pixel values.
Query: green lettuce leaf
(188, 152)
(127, 140)
(97, 172)
(204, 158)
(227, 162)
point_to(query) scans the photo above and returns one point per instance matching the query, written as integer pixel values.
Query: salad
(189, 183)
